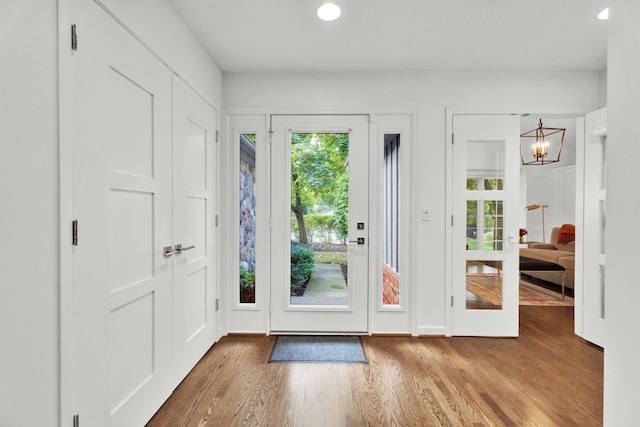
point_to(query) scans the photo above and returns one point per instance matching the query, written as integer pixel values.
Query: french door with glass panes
(485, 187)
(595, 199)
(319, 184)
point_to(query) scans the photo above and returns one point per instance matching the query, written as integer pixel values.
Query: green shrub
(341, 223)
(302, 265)
(247, 279)
(319, 227)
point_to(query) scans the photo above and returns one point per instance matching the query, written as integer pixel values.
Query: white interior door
(595, 198)
(485, 185)
(194, 229)
(122, 296)
(342, 305)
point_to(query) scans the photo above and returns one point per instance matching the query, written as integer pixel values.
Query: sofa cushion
(568, 262)
(549, 255)
(535, 245)
(571, 247)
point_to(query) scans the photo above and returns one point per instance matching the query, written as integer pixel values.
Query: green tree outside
(319, 177)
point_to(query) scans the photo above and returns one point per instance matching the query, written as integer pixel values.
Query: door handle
(180, 249)
(168, 251)
(360, 241)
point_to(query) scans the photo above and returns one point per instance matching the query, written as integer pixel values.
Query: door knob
(360, 241)
(168, 251)
(180, 249)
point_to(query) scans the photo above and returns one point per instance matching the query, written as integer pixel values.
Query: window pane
(602, 292)
(485, 225)
(602, 217)
(319, 219)
(603, 164)
(485, 165)
(484, 285)
(391, 234)
(247, 218)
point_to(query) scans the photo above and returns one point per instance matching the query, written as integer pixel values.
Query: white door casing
(194, 228)
(594, 211)
(287, 317)
(472, 134)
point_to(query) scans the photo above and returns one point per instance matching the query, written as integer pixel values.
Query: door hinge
(76, 420)
(451, 300)
(74, 232)
(217, 135)
(217, 219)
(217, 304)
(453, 138)
(452, 220)
(74, 37)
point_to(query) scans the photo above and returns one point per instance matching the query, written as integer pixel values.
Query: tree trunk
(299, 213)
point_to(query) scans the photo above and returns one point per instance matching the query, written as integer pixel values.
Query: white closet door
(122, 155)
(194, 201)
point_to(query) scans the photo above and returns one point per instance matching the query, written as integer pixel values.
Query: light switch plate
(426, 214)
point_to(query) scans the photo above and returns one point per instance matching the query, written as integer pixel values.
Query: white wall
(622, 355)
(603, 88)
(28, 215)
(430, 93)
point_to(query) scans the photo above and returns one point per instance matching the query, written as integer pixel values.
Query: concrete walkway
(326, 287)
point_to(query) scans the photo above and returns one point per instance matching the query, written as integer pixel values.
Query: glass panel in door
(319, 218)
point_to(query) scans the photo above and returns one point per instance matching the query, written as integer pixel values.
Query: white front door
(194, 228)
(595, 198)
(122, 296)
(319, 185)
(485, 189)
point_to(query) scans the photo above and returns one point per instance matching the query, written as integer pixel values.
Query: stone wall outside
(247, 216)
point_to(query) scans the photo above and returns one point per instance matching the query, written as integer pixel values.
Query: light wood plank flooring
(546, 377)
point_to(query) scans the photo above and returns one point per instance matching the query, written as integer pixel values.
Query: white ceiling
(388, 35)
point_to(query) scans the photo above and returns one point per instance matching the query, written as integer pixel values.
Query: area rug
(488, 288)
(318, 349)
(531, 294)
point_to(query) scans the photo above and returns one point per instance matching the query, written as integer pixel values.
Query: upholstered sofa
(556, 253)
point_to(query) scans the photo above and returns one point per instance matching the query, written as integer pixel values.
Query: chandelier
(546, 146)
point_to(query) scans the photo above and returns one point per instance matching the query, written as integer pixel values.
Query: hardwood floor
(546, 377)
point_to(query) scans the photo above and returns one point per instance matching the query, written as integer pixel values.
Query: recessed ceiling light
(329, 12)
(604, 15)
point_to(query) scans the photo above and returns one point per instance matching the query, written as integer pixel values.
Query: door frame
(567, 112)
(255, 318)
